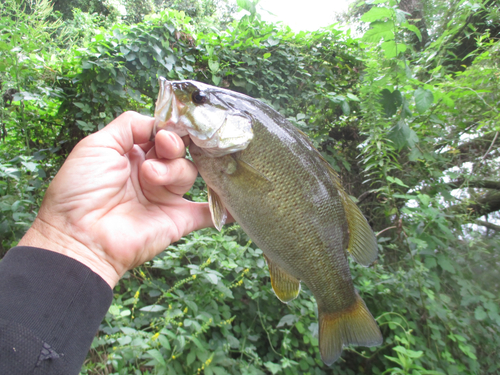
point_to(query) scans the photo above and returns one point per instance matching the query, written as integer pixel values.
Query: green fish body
(286, 198)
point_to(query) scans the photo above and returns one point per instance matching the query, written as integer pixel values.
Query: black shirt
(50, 310)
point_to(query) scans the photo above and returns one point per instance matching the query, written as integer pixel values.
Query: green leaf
(272, 41)
(30, 166)
(216, 80)
(425, 199)
(402, 135)
(445, 264)
(289, 320)
(414, 29)
(214, 279)
(479, 313)
(396, 180)
(247, 5)
(345, 107)
(273, 367)
(391, 101)
(423, 99)
(164, 342)
(377, 13)
(213, 65)
(191, 357)
(267, 55)
(350, 96)
(153, 308)
(408, 352)
(155, 354)
(379, 31)
(392, 49)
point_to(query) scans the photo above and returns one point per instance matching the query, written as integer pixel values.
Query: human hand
(117, 200)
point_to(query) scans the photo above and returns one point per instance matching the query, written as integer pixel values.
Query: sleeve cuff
(51, 309)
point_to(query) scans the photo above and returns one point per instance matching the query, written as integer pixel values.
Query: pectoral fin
(285, 286)
(253, 175)
(217, 209)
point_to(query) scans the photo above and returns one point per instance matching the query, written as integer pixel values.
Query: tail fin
(353, 326)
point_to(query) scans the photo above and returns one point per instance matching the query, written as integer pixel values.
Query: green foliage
(411, 132)
(28, 106)
(203, 306)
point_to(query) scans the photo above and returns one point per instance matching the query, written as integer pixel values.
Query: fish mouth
(167, 110)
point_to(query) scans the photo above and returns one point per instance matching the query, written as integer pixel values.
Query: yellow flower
(136, 295)
(194, 277)
(173, 357)
(208, 261)
(155, 336)
(185, 310)
(180, 324)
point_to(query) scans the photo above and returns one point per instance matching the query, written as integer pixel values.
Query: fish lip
(169, 106)
(164, 107)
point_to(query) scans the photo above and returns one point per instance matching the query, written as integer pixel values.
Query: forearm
(50, 309)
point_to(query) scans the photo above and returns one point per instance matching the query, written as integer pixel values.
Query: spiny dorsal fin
(285, 286)
(217, 209)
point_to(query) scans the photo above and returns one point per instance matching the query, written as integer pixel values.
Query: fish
(267, 174)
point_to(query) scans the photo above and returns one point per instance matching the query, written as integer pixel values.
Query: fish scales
(285, 197)
(296, 214)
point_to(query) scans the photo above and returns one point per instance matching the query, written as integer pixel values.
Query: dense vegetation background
(404, 105)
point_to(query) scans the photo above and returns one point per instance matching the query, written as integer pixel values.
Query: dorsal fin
(362, 241)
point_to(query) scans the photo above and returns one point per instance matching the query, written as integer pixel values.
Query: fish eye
(199, 97)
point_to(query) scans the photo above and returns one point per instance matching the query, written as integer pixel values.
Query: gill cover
(198, 110)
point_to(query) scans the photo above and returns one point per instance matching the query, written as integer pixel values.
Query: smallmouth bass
(286, 197)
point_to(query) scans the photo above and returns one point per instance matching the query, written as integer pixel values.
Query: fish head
(193, 108)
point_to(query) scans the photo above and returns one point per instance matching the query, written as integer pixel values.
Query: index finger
(121, 134)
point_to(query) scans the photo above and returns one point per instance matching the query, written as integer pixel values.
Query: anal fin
(217, 209)
(353, 326)
(285, 286)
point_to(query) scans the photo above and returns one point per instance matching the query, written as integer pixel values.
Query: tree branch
(482, 205)
(488, 225)
(463, 183)
(477, 144)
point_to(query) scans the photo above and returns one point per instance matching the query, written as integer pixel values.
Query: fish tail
(353, 326)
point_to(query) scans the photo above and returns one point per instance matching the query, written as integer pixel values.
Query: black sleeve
(50, 309)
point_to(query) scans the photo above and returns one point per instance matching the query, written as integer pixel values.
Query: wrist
(46, 236)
